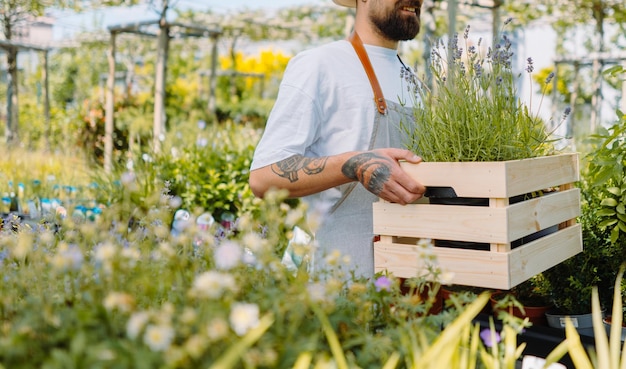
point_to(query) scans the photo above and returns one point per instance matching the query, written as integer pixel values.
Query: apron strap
(379, 99)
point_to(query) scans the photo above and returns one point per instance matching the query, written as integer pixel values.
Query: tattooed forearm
(370, 169)
(290, 167)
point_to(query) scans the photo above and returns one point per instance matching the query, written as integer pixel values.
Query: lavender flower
(382, 283)
(529, 65)
(466, 33)
(488, 336)
(549, 78)
(478, 70)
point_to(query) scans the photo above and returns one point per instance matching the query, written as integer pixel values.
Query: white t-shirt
(325, 105)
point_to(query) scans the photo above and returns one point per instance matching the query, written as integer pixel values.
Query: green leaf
(609, 201)
(615, 190)
(614, 234)
(606, 212)
(621, 209)
(621, 226)
(606, 223)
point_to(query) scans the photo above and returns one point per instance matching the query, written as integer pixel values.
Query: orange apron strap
(379, 99)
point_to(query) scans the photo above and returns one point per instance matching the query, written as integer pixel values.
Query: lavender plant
(473, 112)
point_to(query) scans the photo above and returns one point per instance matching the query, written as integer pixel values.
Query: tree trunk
(12, 124)
(212, 105)
(46, 99)
(159, 88)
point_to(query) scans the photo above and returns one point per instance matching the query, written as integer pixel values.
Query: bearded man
(334, 136)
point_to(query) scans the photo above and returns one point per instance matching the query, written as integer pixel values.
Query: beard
(395, 26)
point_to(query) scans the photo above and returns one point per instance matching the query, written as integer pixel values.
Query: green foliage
(603, 224)
(212, 172)
(472, 112)
(607, 176)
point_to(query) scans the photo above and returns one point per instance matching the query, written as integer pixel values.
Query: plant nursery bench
(501, 224)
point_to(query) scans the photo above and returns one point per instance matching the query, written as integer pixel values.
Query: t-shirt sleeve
(294, 122)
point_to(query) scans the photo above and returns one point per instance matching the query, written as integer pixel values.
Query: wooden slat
(499, 270)
(446, 222)
(497, 225)
(544, 253)
(497, 179)
(540, 213)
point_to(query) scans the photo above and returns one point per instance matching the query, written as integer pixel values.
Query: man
(335, 134)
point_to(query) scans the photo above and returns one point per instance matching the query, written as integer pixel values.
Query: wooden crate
(502, 266)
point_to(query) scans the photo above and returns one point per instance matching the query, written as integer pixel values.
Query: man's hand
(380, 173)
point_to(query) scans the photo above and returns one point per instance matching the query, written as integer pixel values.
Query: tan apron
(348, 227)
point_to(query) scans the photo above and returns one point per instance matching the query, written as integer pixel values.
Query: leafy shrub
(211, 173)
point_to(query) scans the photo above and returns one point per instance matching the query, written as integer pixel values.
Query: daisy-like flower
(213, 284)
(317, 291)
(158, 337)
(136, 323)
(217, 329)
(119, 301)
(131, 253)
(67, 257)
(253, 241)
(105, 252)
(228, 255)
(243, 317)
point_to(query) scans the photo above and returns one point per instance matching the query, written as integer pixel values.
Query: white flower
(188, 316)
(244, 317)
(195, 346)
(105, 252)
(293, 216)
(317, 291)
(253, 241)
(119, 301)
(136, 323)
(228, 255)
(213, 284)
(333, 258)
(131, 253)
(24, 245)
(158, 337)
(446, 278)
(67, 257)
(128, 177)
(217, 329)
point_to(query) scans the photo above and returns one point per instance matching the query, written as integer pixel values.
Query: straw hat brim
(348, 3)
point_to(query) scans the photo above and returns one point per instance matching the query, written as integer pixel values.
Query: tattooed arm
(377, 170)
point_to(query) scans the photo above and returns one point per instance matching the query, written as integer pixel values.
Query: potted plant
(618, 309)
(481, 143)
(530, 299)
